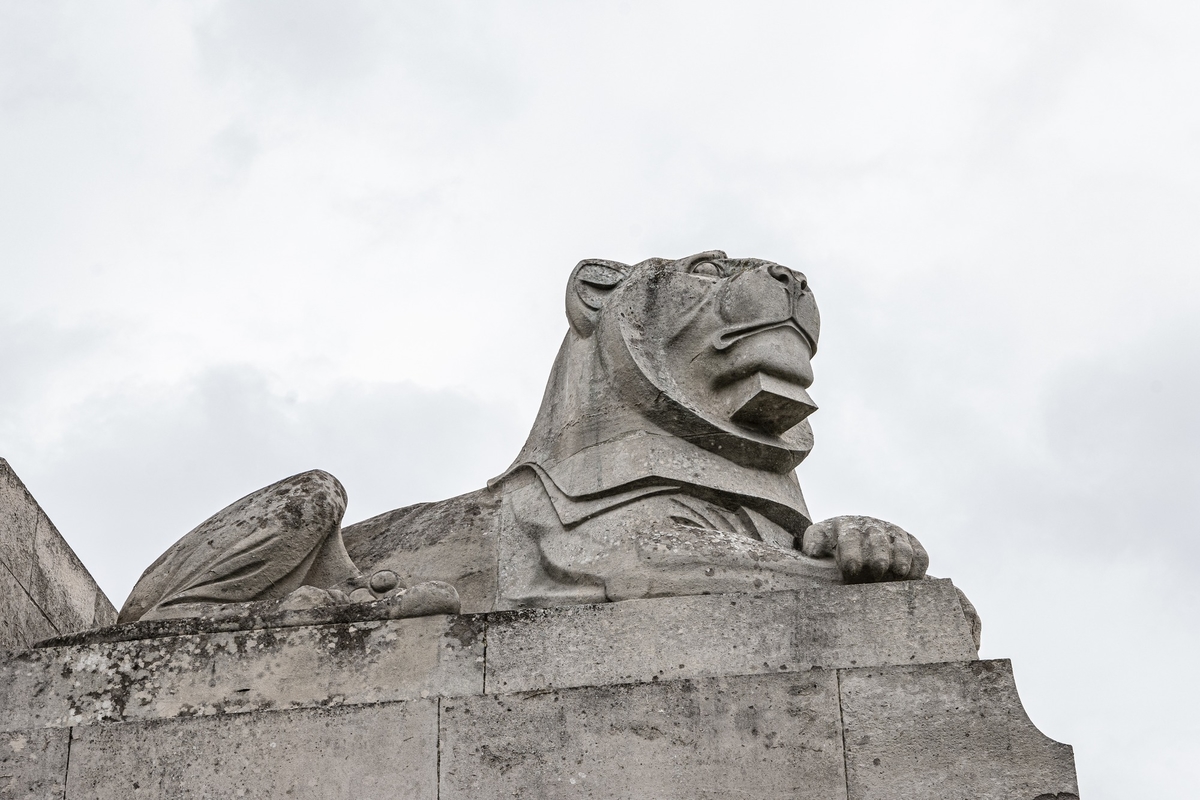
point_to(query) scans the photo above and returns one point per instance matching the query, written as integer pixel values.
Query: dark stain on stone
(645, 731)
(466, 629)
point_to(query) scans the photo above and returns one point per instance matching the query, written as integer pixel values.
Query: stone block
(33, 764)
(18, 524)
(755, 737)
(245, 671)
(387, 750)
(61, 585)
(947, 731)
(104, 613)
(21, 622)
(43, 564)
(686, 637)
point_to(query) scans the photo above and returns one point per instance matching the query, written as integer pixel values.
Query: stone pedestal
(850, 692)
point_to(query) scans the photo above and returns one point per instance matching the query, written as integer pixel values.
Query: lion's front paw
(867, 549)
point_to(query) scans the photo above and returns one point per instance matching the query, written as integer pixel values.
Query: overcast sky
(241, 240)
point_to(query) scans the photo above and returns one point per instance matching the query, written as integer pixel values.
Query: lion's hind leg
(261, 547)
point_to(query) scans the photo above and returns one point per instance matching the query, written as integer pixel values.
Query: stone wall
(857, 692)
(44, 588)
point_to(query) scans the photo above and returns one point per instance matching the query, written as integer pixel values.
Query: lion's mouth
(727, 338)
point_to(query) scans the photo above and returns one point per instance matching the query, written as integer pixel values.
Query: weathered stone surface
(227, 673)
(61, 585)
(423, 600)
(619, 703)
(453, 541)
(33, 763)
(381, 751)
(686, 637)
(189, 666)
(757, 737)
(18, 524)
(21, 621)
(44, 588)
(947, 731)
(661, 463)
(260, 547)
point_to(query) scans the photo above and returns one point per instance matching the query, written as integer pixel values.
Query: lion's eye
(707, 268)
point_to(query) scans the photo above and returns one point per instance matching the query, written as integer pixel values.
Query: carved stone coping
(256, 616)
(106, 679)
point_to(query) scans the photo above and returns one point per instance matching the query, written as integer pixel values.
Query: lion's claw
(867, 549)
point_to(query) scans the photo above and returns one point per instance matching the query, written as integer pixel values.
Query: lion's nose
(787, 277)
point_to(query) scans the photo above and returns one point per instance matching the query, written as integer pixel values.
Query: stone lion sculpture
(661, 463)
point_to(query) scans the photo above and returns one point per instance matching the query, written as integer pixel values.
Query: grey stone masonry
(237, 672)
(44, 588)
(946, 730)
(692, 637)
(33, 763)
(91, 678)
(761, 736)
(856, 692)
(383, 750)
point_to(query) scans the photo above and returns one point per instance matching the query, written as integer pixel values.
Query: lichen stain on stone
(347, 639)
(465, 630)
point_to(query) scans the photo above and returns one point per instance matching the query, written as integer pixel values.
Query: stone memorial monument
(638, 607)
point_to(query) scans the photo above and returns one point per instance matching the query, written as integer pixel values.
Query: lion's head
(710, 349)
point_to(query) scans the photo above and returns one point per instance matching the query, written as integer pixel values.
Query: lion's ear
(591, 283)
